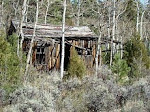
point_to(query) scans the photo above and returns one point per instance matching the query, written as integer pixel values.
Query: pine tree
(120, 67)
(135, 50)
(76, 66)
(9, 64)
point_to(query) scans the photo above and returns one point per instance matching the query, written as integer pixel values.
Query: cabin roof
(55, 32)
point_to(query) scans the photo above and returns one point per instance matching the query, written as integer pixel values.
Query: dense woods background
(121, 81)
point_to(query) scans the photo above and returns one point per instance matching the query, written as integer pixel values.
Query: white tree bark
(141, 26)
(137, 19)
(97, 54)
(32, 41)
(47, 7)
(21, 24)
(2, 12)
(63, 41)
(26, 15)
(117, 31)
(15, 6)
(109, 21)
(98, 47)
(78, 16)
(121, 47)
(113, 33)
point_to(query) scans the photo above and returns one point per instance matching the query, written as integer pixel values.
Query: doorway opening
(67, 56)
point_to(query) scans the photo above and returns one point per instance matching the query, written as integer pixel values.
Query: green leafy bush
(120, 67)
(76, 66)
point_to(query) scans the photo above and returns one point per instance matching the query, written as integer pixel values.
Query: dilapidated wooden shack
(47, 45)
(46, 52)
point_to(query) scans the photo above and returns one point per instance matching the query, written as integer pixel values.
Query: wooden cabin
(46, 53)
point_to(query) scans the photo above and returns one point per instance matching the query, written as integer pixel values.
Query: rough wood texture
(52, 31)
(58, 56)
(49, 37)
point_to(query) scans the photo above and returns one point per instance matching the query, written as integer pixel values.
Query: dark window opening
(40, 55)
(84, 52)
(25, 46)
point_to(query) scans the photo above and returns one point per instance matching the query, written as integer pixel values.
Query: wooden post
(58, 56)
(94, 53)
(53, 56)
(50, 57)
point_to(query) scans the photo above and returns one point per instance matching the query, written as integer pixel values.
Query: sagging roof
(51, 31)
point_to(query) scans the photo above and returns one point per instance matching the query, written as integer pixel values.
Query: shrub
(47, 93)
(30, 98)
(106, 57)
(120, 67)
(9, 65)
(135, 51)
(76, 66)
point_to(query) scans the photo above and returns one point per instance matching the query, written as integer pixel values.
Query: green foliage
(106, 57)
(135, 50)
(76, 66)
(131, 11)
(120, 67)
(56, 9)
(13, 41)
(9, 64)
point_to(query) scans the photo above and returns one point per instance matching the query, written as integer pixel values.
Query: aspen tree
(32, 41)
(24, 7)
(141, 26)
(113, 32)
(47, 7)
(137, 18)
(63, 40)
(78, 16)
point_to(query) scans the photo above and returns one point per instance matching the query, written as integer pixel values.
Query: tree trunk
(121, 47)
(117, 31)
(16, 8)
(2, 12)
(78, 16)
(32, 41)
(63, 41)
(26, 15)
(47, 7)
(21, 24)
(137, 19)
(108, 29)
(97, 54)
(141, 27)
(18, 46)
(113, 33)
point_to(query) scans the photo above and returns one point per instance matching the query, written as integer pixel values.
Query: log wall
(86, 49)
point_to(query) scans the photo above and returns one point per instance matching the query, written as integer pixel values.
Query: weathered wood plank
(58, 56)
